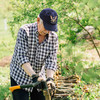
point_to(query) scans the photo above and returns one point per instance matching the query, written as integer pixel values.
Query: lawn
(6, 49)
(5, 94)
(6, 41)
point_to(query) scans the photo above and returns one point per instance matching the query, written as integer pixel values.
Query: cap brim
(50, 27)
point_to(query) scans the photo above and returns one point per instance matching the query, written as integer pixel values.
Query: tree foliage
(70, 12)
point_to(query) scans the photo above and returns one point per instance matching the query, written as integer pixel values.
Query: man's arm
(51, 60)
(50, 73)
(22, 52)
(28, 69)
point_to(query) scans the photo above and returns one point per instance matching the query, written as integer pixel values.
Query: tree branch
(90, 37)
(77, 21)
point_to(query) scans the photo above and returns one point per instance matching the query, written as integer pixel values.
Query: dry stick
(63, 95)
(77, 21)
(90, 37)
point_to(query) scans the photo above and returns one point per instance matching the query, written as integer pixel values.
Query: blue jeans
(21, 94)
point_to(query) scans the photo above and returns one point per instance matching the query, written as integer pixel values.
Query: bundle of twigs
(64, 87)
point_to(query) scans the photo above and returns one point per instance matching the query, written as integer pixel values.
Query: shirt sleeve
(51, 60)
(22, 47)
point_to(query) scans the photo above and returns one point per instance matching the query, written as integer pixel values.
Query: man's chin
(43, 34)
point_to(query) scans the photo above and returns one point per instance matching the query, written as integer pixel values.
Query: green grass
(5, 83)
(6, 41)
(73, 60)
(6, 49)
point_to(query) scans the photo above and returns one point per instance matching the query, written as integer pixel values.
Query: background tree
(73, 15)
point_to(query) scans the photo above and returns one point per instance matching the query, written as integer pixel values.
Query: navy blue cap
(49, 17)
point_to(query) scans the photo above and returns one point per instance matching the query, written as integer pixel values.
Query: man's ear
(38, 20)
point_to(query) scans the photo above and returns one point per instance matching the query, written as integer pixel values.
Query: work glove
(35, 78)
(51, 85)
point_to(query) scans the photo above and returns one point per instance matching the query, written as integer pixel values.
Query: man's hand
(51, 85)
(35, 78)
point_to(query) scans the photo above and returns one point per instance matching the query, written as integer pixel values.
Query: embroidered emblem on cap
(53, 19)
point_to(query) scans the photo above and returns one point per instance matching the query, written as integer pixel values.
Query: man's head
(47, 21)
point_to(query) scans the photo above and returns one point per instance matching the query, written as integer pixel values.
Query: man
(35, 51)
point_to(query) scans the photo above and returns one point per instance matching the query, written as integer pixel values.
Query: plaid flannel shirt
(27, 49)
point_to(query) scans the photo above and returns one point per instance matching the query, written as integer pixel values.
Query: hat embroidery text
(53, 19)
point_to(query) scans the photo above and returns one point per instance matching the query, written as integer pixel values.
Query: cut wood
(64, 87)
(66, 84)
(69, 90)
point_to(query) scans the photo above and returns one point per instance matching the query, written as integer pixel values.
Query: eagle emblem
(53, 19)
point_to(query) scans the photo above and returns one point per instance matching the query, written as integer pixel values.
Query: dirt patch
(97, 43)
(5, 61)
(92, 55)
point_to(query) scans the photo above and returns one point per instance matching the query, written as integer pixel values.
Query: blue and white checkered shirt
(27, 49)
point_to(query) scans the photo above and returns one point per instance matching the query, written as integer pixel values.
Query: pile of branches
(65, 87)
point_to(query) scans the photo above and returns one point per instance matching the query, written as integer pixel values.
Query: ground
(5, 61)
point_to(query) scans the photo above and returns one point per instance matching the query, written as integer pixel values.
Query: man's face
(42, 31)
